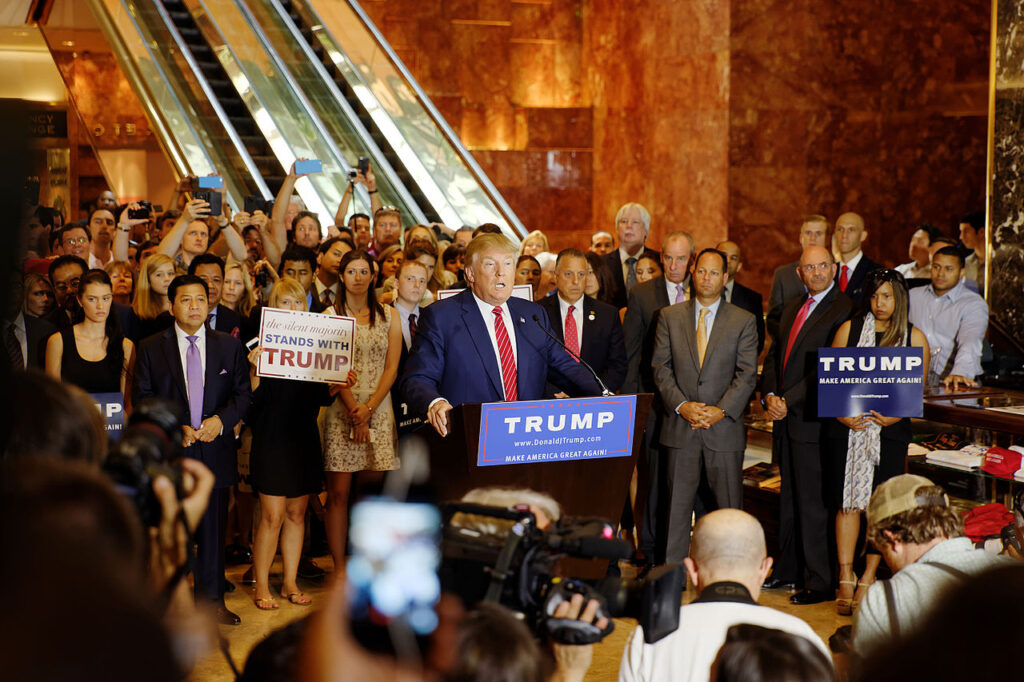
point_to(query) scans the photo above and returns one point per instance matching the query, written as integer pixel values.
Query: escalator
(244, 87)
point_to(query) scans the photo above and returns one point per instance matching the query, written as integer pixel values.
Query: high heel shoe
(856, 600)
(844, 606)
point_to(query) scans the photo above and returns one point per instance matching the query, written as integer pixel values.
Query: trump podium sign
(888, 380)
(305, 346)
(571, 429)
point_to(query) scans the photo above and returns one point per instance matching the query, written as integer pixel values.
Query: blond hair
(287, 286)
(247, 302)
(485, 242)
(147, 304)
(536, 234)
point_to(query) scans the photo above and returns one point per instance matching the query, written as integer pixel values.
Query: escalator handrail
(214, 102)
(451, 138)
(380, 161)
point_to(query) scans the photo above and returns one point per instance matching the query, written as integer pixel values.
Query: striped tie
(508, 360)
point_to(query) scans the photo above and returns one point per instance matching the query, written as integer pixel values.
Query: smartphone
(363, 165)
(210, 182)
(252, 343)
(143, 211)
(213, 198)
(308, 166)
(255, 203)
(391, 575)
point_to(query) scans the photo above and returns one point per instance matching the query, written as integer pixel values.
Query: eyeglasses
(64, 286)
(880, 276)
(72, 241)
(809, 269)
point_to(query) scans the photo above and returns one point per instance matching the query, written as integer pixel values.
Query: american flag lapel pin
(591, 318)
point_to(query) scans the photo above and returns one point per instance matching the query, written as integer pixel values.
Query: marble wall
(722, 117)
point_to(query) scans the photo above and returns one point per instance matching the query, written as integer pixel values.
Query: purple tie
(194, 368)
(679, 294)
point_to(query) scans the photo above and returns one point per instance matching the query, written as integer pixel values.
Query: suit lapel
(816, 314)
(173, 357)
(482, 340)
(588, 325)
(526, 351)
(690, 332)
(718, 329)
(212, 370)
(661, 292)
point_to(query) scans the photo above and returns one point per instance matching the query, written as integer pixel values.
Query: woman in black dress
(868, 449)
(92, 353)
(286, 461)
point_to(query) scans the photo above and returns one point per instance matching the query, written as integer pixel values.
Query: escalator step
(190, 35)
(233, 107)
(180, 17)
(243, 125)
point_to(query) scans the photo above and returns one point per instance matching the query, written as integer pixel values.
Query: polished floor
(258, 624)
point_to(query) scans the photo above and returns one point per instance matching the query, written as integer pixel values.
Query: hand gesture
(196, 209)
(437, 415)
(291, 171)
(693, 412)
(254, 356)
(360, 414)
(882, 421)
(361, 433)
(775, 407)
(124, 221)
(571, 660)
(858, 423)
(953, 382)
(259, 219)
(169, 540)
(209, 429)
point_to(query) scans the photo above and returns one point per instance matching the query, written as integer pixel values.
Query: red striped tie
(508, 359)
(571, 342)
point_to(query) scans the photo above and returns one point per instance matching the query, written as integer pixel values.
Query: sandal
(856, 599)
(267, 604)
(844, 605)
(297, 598)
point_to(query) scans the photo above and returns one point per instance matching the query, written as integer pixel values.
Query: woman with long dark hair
(600, 283)
(92, 353)
(359, 426)
(867, 449)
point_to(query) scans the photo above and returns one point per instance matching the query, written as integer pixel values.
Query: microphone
(604, 389)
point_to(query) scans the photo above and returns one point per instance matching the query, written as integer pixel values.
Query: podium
(584, 487)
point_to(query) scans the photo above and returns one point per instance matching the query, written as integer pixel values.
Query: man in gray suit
(646, 300)
(705, 367)
(786, 283)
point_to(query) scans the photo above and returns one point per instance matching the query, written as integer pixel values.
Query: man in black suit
(853, 266)
(328, 261)
(645, 302)
(210, 268)
(786, 282)
(65, 272)
(205, 372)
(632, 225)
(789, 391)
(410, 283)
(595, 332)
(739, 295)
(25, 337)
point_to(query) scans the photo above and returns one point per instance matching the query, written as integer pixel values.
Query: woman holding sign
(286, 462)
(867, 449)
(92, 354)
(359, 427)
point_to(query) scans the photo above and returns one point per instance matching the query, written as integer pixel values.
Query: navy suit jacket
(603, 347)
(452, 357)
(753, 303)
(855, 280)
(620, 296)
(226, 391)
(228, 321)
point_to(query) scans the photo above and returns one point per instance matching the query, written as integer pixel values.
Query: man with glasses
(387, 229)
(786, 282)
(65, 273)
(74, 241)
(789, 392)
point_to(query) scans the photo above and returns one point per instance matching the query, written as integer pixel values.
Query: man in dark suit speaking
(705, 366)
(483, 346)
(205, 372)
(588, 327)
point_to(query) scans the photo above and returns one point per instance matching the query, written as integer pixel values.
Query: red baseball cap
(1001, 462)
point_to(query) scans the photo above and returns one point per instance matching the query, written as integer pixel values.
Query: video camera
(150, 446)
(498, 554)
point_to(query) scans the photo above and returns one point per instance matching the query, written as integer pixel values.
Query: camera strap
(500, 572)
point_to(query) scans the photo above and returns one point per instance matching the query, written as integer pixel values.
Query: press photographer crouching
(95, 593)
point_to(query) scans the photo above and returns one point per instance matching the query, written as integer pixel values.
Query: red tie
(798, 323)
(508, 359)
(570, 334)
(844, 279)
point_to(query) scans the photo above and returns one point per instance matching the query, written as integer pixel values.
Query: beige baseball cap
(899, 494)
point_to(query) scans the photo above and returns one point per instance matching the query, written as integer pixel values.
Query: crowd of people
(162, 306)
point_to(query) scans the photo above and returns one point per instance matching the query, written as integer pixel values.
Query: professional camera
(498, 554)
(150, 446)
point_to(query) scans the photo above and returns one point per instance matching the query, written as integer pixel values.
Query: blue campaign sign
(111, 406)
(852, 381)
(556, 430)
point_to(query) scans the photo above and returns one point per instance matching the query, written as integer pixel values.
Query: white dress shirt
(487, 310)
(577, 315)
(851, 265)
(911, 270)
(183, 345)
(403, 315)
(670, 287)
(320, 287)
(955, 325)
(709, 319)
(96, 264)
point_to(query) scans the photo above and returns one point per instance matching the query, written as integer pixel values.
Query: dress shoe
(309, 570)
(774, 583)
(249, 577)
(805, 597)
(225, 617)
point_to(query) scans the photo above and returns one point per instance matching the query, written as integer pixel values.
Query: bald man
(786, 282)
(739, 295)
(789, 393)
(853, 266)
(727, 564)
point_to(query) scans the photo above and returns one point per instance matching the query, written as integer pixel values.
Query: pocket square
(223, 371)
